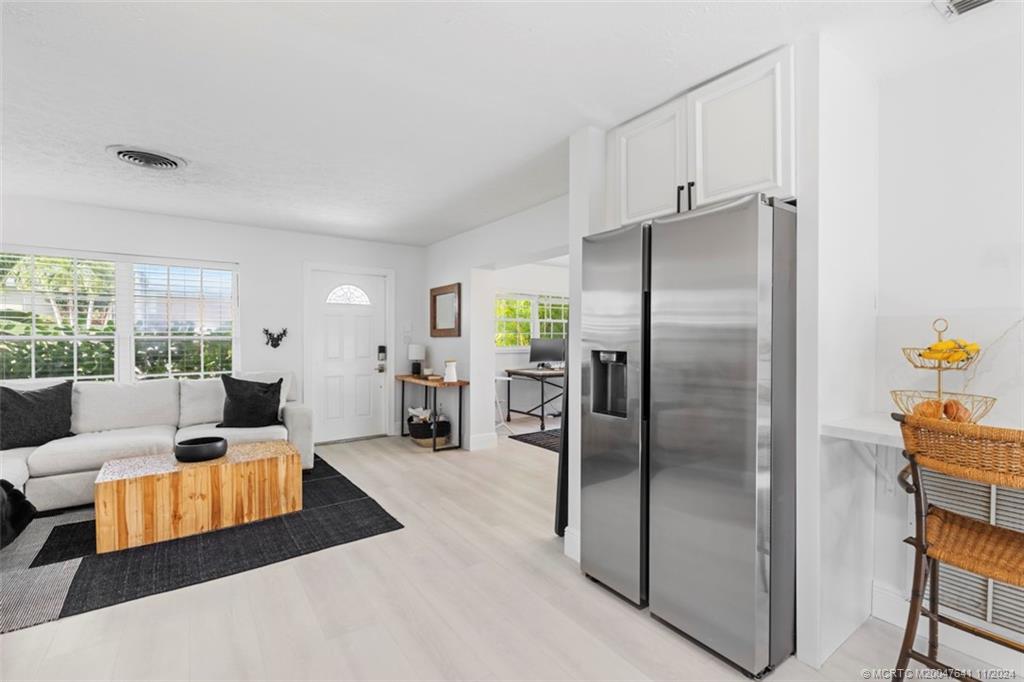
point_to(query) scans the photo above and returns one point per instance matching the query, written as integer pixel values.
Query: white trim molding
(571, 544)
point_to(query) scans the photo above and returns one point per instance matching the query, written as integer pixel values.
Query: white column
(586, 215)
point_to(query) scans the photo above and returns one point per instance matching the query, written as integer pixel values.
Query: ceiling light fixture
(146, 158)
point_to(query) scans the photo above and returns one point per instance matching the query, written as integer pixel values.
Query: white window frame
(535, 300)
(124, 298)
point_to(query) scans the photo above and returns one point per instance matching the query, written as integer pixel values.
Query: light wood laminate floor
(474, 588)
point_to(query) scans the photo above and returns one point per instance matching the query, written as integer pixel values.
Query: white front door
(349, 323)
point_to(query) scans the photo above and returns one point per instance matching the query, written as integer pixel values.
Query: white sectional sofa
(116, 420)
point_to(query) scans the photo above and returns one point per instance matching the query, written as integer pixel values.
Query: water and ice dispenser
(610, 390)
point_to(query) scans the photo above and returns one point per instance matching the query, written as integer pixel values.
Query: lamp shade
(417, 352)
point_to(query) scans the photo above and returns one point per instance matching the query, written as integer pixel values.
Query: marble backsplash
(999, 372)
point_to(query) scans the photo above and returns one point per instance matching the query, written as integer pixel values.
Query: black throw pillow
(250, 404)
(30, 418)
(15, 512)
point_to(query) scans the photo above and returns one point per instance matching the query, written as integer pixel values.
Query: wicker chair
(983, 454)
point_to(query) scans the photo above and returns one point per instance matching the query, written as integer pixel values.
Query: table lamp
(417, 353)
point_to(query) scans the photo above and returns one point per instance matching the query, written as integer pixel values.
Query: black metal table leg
(542, 410)
(434, 419)
(508, 400)
(401, 413)
(460, 416)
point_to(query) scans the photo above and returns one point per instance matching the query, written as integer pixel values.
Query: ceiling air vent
(951, 9)
(146, 159)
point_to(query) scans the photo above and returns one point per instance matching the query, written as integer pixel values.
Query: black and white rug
(52, 569)
(549, 440)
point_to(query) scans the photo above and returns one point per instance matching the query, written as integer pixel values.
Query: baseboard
(571, 544)
(483, 441)
(889, 605)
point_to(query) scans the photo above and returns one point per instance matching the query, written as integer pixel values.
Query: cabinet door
(647, 164)
(741, 131)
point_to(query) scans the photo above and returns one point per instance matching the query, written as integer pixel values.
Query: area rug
(52, 569)
(549, 440)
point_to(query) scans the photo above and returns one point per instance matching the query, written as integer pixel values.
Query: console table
(435, 384)
(542, 376)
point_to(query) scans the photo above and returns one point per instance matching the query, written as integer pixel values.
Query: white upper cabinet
(729, 137)
(646, 163)
(741, 131)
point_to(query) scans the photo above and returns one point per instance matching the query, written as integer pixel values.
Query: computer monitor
(547, 350)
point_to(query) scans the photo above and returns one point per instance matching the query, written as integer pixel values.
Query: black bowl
(200, 449)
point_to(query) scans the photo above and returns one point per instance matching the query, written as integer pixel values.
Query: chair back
(985, 454)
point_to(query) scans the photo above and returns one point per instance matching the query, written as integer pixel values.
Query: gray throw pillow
(30, 418)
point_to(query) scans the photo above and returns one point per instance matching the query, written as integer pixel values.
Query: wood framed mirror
(445, 310)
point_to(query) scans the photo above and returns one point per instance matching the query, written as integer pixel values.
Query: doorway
(347, 329)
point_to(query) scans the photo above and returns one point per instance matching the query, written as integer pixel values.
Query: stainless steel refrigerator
(688, 423)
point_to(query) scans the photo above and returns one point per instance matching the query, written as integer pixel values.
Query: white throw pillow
(101, 406)
(202, 401)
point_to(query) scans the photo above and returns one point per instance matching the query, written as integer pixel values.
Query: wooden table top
(433, 383)
(165, 463)
(535, 372)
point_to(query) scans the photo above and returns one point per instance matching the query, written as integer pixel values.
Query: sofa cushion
(101, 406)
(88, 451)
(33, 417)
(14, 465)
(251, 404)
(202, 401)
(233, 435)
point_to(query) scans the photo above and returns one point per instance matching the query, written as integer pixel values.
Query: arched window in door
(348, 294)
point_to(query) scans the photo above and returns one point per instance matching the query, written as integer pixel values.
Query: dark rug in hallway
(52, 571)
(549, 440)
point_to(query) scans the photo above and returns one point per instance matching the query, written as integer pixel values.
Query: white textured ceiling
(394, 122)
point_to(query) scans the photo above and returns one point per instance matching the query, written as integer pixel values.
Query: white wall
(536, 279)
(951, 245)
(471, 258)
(952, 225)
(270, 266)
(847, 281)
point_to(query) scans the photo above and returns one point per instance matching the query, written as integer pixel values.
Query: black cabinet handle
(689, 195)
(679, 198)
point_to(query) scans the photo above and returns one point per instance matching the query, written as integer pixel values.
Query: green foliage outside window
(553, 318)
(517, 319)
(512, 322)
(56, 311)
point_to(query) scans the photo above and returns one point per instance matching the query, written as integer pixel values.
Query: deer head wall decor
(274, 340)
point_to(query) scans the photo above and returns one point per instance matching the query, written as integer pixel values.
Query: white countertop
(877, 428)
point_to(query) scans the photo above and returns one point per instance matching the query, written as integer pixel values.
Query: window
(184, 321)
(520, 317)
(108, 318)
(348, 294)
(56, 317)
(513, 321)
(552, 317)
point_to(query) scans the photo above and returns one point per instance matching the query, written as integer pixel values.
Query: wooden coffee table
(141, 500)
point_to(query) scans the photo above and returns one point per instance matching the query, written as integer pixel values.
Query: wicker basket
(422, 432)
(977, 405)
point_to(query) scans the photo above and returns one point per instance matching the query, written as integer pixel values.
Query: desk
(543, 376)
(435, 384)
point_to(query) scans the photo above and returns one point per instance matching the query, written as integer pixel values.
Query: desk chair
(499, 422)
(982, 454)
